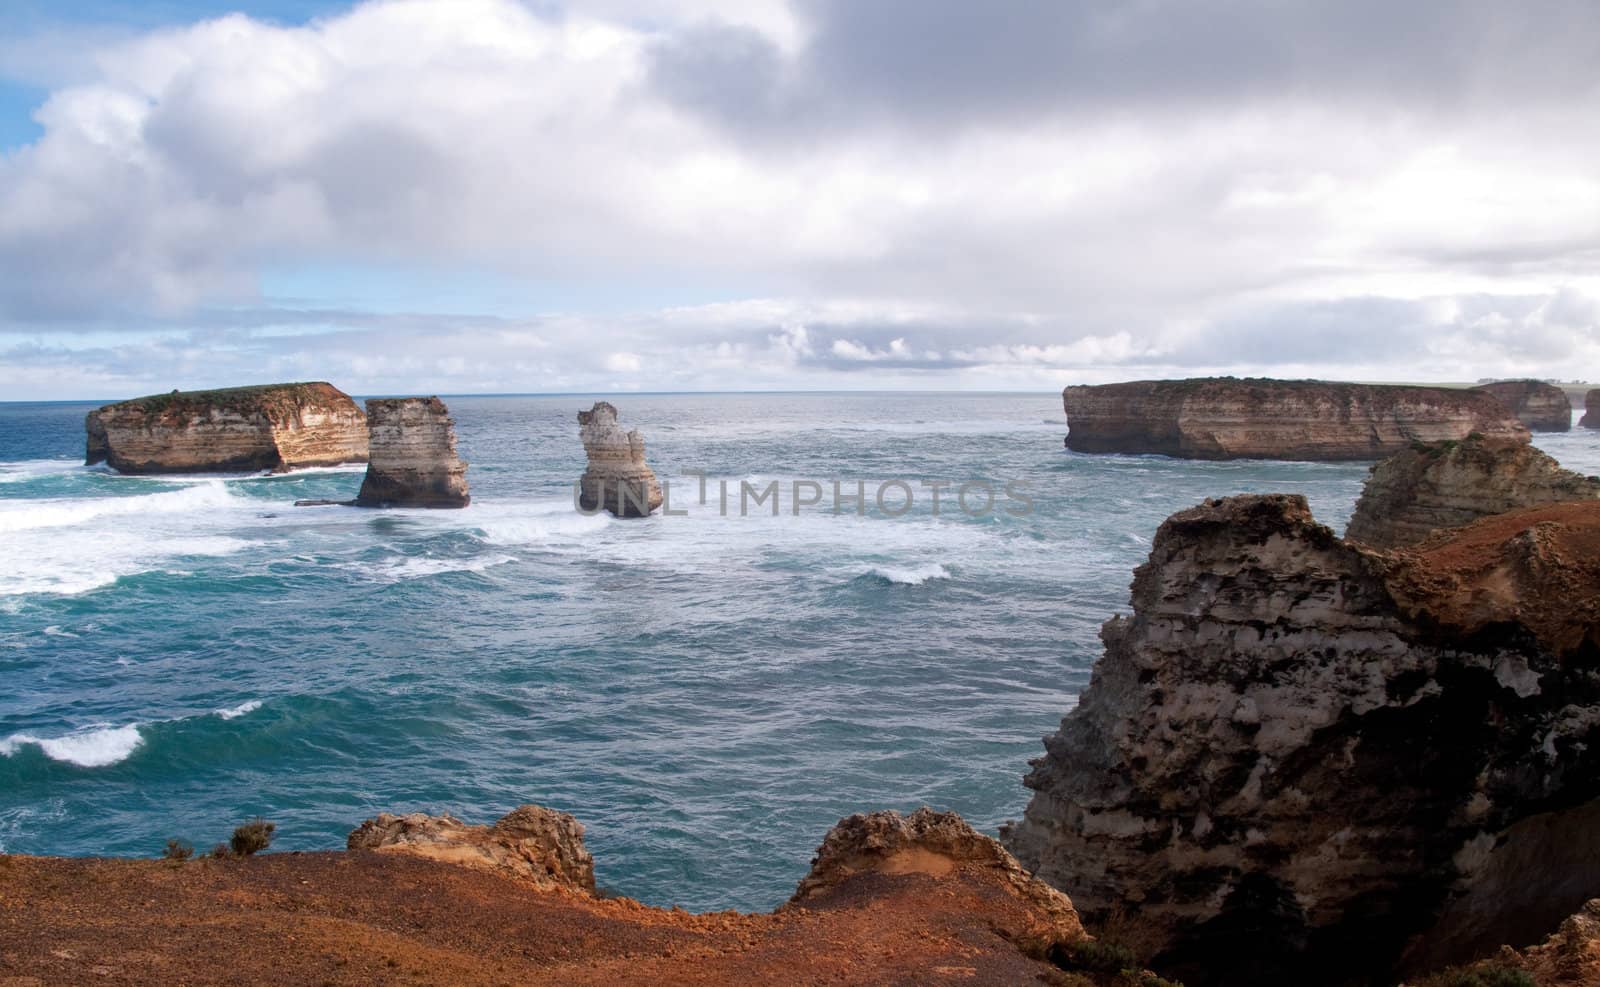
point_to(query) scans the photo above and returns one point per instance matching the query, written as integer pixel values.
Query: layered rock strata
(1298, 759)
(1229, 418)
(1540, 406)
(892, 900)
(413, 456)
(275, 427)
(1591, 409)
(530, 842)
(1428, 488)
(617, 478)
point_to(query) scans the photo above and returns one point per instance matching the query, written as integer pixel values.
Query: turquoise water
(707, 694)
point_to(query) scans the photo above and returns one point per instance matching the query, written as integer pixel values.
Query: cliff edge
(1230, 418)
(1540, 406)
(1429, 488)
(275, 427)
(1301, 761)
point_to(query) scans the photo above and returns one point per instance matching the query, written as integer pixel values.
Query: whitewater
(708, 693)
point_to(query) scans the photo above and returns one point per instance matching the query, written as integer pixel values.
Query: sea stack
(1540, 406)
(1299, 761)
(414, 461)
(1430, 488)
(617, 478)
(277, 427)
(1591, 409)
(1230, 418)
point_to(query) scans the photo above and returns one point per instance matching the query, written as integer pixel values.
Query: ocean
(706, 692)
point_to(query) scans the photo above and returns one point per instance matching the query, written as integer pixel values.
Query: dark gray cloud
(942, 63)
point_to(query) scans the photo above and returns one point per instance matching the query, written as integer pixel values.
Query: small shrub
(252, 837)
(177, 850)
(220, 852)
(1491, 975)
(1147, 980)
(1095, 956)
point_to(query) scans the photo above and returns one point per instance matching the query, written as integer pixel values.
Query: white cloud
(841, 223)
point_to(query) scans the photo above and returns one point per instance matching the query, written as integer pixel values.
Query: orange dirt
(385, 918)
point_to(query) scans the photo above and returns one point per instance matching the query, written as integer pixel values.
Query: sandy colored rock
(1230, 418)
(275, 427)
(1430, 488)
(413, 456)
(1296, 754)
(1591, 409)
(532, 843)
(1540, 406)
(617, 478)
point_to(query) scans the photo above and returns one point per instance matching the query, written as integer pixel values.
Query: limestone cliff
(1540, 406)
(617, 478)
(414, 461)
(1591, 409)
(1229, 418)
(238, 429)
(1298, 759)
(1449, 484)
(530, 843)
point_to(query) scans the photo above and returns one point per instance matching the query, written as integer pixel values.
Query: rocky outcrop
(617, 478)
(1229, 418)
(1591, 409)
(1540, 406)
(1428, 488)
(414, 461)
(530, 843)
(275, 427)
(1569, 958)
(935, 844)
(1297, 757)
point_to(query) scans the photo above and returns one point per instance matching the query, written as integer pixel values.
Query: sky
(491, 196)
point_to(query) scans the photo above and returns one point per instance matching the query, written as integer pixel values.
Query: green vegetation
(224, 397)
(1488, 975)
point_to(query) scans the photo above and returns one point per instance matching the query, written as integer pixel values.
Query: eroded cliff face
(1296, 755)
(617, 477)
(1436, 487)
(1229, 418)
(241, 429)
(1591, 409)
(1540, 406)
(413, 456)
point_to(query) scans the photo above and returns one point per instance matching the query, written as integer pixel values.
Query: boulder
(276, 427)
(617, 478)
(414, 461)
(1540, 406)
(531, 843)
(1299, 760)
(1229, 418)
(1429, 488)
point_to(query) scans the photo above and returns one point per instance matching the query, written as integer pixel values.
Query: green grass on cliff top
(252, 395)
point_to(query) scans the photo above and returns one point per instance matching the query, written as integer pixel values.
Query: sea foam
(92, 747)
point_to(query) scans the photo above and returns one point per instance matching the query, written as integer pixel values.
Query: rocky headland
(1540, 406)
(1591, 409)
(617, 478)
(890, 899)
(1429, 488)
(1302, 761)
(1231, 418)
(275, 427)
(413, 456)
